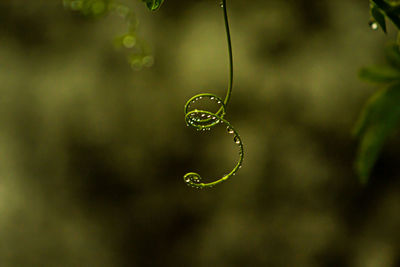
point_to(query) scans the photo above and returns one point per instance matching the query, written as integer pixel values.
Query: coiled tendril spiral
(205, 120)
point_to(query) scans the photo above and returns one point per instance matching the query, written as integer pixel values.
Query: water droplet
(122, 11)
(374, 25)
(76, 5)
(200, 97)
(136, 64)
(229, 130)
(129, 41)
(208, 116)
(203, 115)
(212, 98)
(98, 8)
(148, 61)
(236, 139)
(219, 102)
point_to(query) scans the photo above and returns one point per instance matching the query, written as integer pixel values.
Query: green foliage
(137, 52)
(378, 17)
(380, 9)
(379, 118)
(381, 114)
(205, 120)
(153, 5)
(379, 74)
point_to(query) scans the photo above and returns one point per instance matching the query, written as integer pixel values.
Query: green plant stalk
(205, 120)
(228, 38)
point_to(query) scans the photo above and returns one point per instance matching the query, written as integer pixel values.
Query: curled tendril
(205, 120)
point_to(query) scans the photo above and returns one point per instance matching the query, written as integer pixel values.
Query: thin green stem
(205, 120)
(228, 38)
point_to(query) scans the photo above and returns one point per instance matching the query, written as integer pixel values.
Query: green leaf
(393, 55)
(377, 121)
(153, 5)
(379, 17)
(388, 10)
(379, 74)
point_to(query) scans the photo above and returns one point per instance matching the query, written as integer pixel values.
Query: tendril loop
(205, 120)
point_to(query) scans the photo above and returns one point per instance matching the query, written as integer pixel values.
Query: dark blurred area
(93, 153)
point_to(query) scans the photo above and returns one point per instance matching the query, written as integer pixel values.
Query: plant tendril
(205, 120)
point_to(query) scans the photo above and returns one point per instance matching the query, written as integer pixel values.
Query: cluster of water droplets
(139, 54)
(203, 120)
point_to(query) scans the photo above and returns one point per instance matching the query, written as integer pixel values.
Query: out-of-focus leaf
(393, 55)
(398, 39)
(379, 74)
(153, 5)
(379, 17)
(378, 119)
(396, 8)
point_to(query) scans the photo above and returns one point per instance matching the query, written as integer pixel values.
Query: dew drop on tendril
(236, 139)
(229, 130)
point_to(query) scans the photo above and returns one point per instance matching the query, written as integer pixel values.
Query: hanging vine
(199, 119)
(205, 120)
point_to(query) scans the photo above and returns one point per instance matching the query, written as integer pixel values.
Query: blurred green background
(92, 153)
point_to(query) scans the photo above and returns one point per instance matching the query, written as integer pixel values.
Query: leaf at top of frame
(153, 5)
(379, 17)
